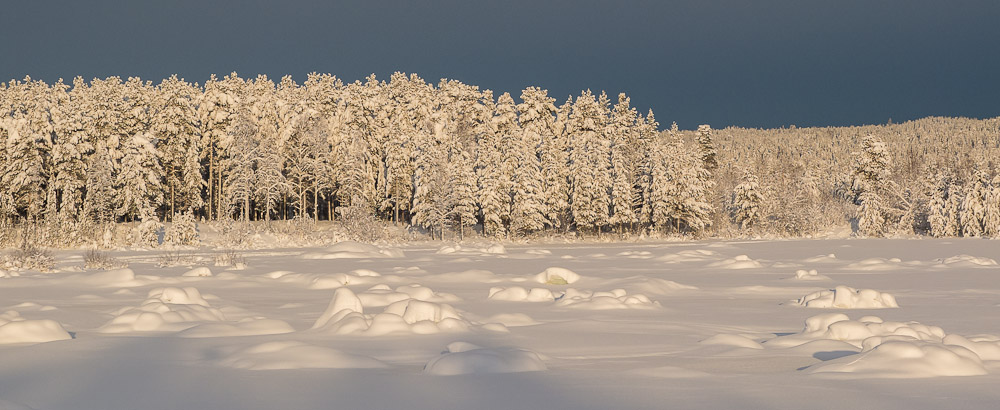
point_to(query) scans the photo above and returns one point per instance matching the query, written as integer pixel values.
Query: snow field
(627, 319)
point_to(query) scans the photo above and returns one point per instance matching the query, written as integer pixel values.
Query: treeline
(449, 158)
(446, 158)
(934, 176)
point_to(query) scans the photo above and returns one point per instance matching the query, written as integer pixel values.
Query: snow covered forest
(452, 160)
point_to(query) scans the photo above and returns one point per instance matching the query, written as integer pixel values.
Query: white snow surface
(562, 326)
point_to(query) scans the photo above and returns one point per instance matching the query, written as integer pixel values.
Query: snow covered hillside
(851, 323)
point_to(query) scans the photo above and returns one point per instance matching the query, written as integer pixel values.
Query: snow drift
(165, 309)
(843, 297)
(16, 329)
(466, 358)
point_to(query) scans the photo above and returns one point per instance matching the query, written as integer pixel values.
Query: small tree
(747, 200)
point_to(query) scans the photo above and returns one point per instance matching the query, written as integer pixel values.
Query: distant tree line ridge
(451, 158)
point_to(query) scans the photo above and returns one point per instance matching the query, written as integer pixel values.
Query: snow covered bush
(147, 233)
(183, 231)
(95, 259)
(359, 223)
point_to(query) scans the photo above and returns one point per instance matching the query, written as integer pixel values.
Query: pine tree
(708, 152)
(975, 205)
(238, 168)
(991, 219)
(589, 163)
(137, 181)
(872, 167)
(871, 215)
(624, 164)
(174, 126)
(747, 201)
(493, 170)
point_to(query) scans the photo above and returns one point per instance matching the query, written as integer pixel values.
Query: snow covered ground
(717, 325)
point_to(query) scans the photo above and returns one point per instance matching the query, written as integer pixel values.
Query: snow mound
(739, 262)
(6, 275)
(906, 359)
(732, 340)
(519, 294)
(636, 254)
(843, 297)
(321, 281)
(296, 355)
(965, 261)
(345, 315)
(810, 274)
(879, 264)
(654, 286)
(838, 326)
(245, 327)
(16, 329)
(556, 276)
(615, 299)
(695, 255)
(495, 249)
(987, 347)
(354, 250)
(165, 309)
(466, 358)
(821, 258)
(420, 292)
(202, 272)
(113, 278)
(512, 319)
(383, 295)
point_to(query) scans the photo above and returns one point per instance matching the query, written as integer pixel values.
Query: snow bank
(843, 297)
(466, 358)
(354, 250)
(907, 359)
(345, 315)
(512, 319)
(965, 261)
(320, 281)
(821, 258)
(838, 326)
(739, 262)
(695, 255)
(5, 274)
(16, 329)
(872, 348)
(113, 278)
(165, 309)
(615, 299)
(519, 294)
(296, 355)
(732, 340)
(655, 286)
(556, 276)
(203, 272)
(880, 264)
(245, 327)
(810, 274)
(383, 295)
(636, 254)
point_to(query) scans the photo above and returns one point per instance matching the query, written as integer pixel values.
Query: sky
(761, 64)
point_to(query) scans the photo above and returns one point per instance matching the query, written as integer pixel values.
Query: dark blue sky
(764, 63)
